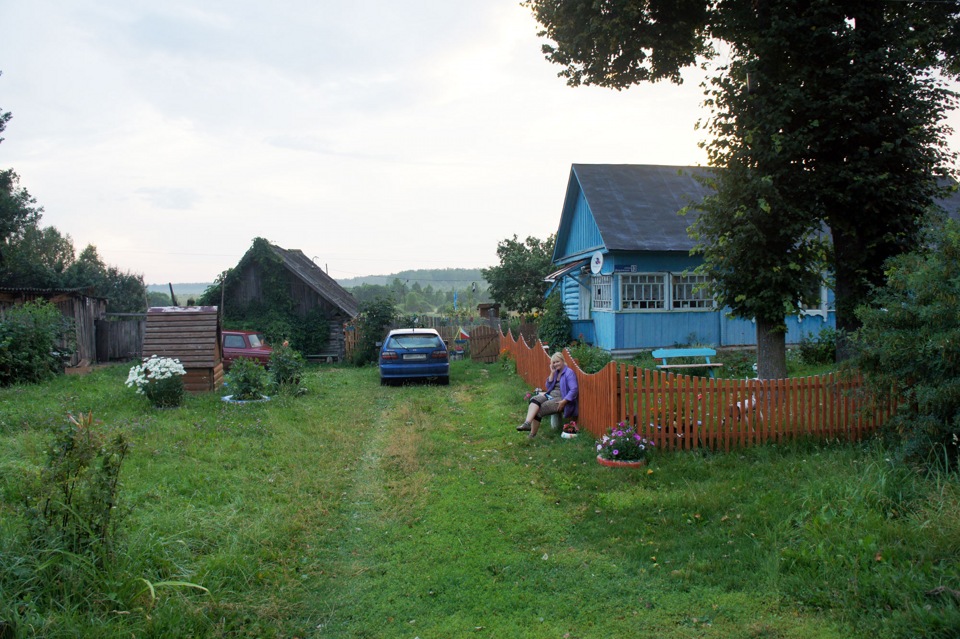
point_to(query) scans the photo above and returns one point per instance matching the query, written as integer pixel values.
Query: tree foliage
(372, 324)
(554, 327)
(908, 346)
(517, 283)
(826, 119)
(18, 212)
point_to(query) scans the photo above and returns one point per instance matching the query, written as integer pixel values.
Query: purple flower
(616, 452)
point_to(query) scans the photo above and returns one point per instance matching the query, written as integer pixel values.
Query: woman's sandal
(525, 426)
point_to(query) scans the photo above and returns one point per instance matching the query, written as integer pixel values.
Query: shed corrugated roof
(635, 206)
(314, 277)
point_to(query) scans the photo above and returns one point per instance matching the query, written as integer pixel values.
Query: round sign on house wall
(596, 262)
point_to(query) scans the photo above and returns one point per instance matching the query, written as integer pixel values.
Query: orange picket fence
(683, 412)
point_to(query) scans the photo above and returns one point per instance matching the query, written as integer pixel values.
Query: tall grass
(364, 511)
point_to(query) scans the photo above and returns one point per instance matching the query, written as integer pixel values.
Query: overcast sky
(374, 135)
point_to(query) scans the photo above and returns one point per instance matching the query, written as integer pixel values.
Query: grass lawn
(418, 511)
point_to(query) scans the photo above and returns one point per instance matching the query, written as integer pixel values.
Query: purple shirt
(569, 390)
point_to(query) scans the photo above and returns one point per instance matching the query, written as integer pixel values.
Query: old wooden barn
(309, 287)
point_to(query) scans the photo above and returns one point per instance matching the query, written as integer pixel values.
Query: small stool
(557, 420)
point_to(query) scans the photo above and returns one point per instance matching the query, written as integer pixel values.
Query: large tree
(824, 119)
(517, 283)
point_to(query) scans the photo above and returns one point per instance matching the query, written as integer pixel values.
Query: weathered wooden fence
(120, 336)
(683, 412)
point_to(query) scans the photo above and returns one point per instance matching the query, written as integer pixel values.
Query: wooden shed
(82, 309)
(192, 335)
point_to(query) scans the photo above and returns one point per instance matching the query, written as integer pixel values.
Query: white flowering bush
(160, 379)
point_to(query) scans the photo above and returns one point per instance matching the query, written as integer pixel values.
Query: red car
(249, 344)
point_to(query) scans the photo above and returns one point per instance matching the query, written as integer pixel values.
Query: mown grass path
(418, 511)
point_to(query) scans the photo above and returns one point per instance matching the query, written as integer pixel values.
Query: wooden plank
(703, 365)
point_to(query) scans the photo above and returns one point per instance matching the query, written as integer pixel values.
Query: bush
(590, 359)
(247, 379)
(821, 349)
(32, 336)
(373, 321)
(73, 504)
(737, 364)
(160, 379)
(286, 366)
(554, 327)
(907, 347)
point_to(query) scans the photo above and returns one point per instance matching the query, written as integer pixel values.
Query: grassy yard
(418, 511)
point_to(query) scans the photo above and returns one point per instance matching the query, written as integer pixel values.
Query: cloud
(170, 198)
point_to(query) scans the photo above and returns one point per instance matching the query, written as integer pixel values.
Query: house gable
(623, 207)
(578, 235)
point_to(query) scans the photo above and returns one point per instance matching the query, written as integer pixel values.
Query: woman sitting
(551, 401)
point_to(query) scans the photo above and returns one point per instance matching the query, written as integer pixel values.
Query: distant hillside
(190, 289)
(444, 279)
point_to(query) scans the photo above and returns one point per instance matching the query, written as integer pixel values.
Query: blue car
(414, 353)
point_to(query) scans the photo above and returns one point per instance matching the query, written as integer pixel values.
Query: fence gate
(484, 344)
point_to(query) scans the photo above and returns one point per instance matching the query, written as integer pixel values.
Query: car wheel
(444, 381)
(383, 382)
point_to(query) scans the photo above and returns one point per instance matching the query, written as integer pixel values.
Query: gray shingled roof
(314, 277)
(635, 205)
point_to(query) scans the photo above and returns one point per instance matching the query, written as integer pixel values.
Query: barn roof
(314, 277)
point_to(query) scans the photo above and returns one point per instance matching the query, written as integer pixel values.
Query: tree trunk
(771, 349)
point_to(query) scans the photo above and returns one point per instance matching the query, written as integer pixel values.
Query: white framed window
(821, 307)
(602, 292)
(687, 292)
(643, 292)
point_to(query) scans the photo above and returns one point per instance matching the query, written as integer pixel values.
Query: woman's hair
(557, 356)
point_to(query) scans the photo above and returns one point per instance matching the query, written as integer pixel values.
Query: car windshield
(256, 340)
(414, 341)
(233, 341)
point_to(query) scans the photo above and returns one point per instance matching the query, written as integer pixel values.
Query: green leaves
(517, 283)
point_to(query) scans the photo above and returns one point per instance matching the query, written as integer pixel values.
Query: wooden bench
(666, 354)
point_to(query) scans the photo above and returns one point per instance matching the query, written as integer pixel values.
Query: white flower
(153, 368)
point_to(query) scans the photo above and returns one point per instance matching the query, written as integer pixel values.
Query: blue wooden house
(625, 269)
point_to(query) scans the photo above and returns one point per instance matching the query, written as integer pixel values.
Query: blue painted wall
(630, 330)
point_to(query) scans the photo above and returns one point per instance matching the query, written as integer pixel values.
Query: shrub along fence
(683, 412)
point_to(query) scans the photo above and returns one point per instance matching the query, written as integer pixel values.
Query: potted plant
(570, 430)
(248, 380)
(623, 446)
(160, 379)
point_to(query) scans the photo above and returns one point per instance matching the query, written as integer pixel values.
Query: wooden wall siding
(190, 335)
(681, 412)
(583, 236)
(120, 338)
(308, 299)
